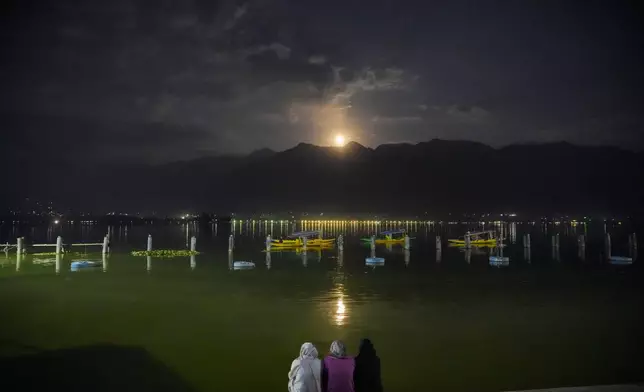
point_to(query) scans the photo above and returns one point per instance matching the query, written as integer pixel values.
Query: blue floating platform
(241, 265)
(498, 261)
(84, 264)
(621, 260)
(375, 261)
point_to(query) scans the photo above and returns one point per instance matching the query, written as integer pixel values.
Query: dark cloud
(242, 75)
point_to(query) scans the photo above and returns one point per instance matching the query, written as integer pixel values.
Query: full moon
(339, 140)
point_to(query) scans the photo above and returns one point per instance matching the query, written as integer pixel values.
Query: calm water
(448, 322)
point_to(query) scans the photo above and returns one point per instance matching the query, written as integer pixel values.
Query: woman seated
(337, 370)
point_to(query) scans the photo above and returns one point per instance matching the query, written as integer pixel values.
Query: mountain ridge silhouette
(435, 176)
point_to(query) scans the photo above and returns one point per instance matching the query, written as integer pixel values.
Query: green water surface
(208, 328)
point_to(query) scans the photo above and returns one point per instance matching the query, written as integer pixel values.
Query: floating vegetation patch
(164, 253)
(45, 254)
(44, 262)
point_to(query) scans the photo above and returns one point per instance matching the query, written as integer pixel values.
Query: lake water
(448, 322)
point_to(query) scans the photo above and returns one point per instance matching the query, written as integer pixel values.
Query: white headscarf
(306, 364)
(308, 351)
(338, 349)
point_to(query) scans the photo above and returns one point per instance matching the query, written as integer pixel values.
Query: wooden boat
(388, 237)
(476, 238)
(296, 240)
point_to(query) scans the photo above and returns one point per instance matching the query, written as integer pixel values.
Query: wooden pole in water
(553, 242)
(407, 244)
(439, 245)
(340, 243)
(104, 260)
(193, 244)
(607, 245)
(106, 241)
(304, 241)
(526, 240)
(557, 241)
(19, 245)
(231, 244)
(269, 242)
(468, 242)
(59, 245)
(58, 264)
(526, 254)
(149, 242)
(581, 243)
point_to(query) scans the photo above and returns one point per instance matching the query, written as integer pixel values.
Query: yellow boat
(296, 240)
(481, 238)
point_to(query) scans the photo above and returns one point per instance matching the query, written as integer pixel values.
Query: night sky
(161, 80)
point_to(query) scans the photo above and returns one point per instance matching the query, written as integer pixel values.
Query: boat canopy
(479, 233)
(391, 232)
(300, 234)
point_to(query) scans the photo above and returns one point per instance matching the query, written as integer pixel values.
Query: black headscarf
(366, 376)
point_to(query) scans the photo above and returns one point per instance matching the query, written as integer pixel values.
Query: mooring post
(468, 242)
(557, 240)
(407, 244)
(526, 240)
(149, 242)
(149, 264)
(304, 241)
(193, 244)
(305, 257)
(59, 245)
(106, 241)
(407, 257)
(58, 257)
(19, 245)
(634, 247)
(373, 246)
(526, 254)
(607, 246)
(193, 262)
(439, 245)
(231, 245)
(468, 255)
(104, 260)
(268, 260)
(269, 242)
(18, 260)
(553, 242)
(581, 243)
(340, 243)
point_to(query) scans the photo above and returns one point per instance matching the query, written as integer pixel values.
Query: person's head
(366, 348)
(338, 349)
(309, 351)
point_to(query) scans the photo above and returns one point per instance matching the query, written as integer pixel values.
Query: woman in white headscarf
(306, 371)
